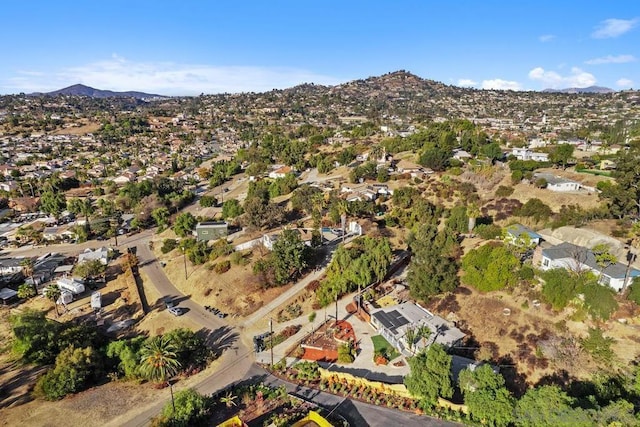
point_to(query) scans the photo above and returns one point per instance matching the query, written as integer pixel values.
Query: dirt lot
(511, 329)
(236, 292)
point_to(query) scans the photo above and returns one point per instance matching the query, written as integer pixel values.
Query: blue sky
(190, 47)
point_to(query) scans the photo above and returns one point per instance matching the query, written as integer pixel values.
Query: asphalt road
(236, 360)
(356, 413)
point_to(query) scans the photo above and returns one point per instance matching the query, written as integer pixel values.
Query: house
(518, 234)
(24, 204)
(577, 258)
(526, 154)
(100, 254)
(63, 232)
(394, 321)
(8, 186)
(211, 230)
(124, 178)
(557, 183)
(607, 165)
(280, 172)
(9, 266)
(7, 295)
(461, 155)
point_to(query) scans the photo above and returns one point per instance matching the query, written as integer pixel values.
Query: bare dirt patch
(237, 292)
(511, 336)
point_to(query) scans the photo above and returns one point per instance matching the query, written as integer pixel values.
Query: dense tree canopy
(430, 375)
(434, 267)
(490, 268)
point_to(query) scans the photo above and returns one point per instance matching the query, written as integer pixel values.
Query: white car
(176, 311)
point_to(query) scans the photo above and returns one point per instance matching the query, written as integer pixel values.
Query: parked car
(169, 303)
(176, 311)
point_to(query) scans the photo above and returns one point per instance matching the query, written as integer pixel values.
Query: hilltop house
(518, 234)
(557, 183)
(526, 154)
(577, 258)
(394, 321)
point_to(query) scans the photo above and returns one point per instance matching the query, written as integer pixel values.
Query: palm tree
(423, 332)
(27, 271)
(229, 399)
(53, 293)
(159, 360)
(410, 336)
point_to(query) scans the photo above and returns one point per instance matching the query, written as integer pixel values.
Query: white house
(280, 172)
(557, 183)
(526, 154)
(100, 254)
(394, 321)
(577, 258)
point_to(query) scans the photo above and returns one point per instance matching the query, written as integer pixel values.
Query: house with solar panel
(394, 321)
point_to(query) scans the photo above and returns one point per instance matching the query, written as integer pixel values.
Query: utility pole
(336, 308)
(271, 339)
(184, 257)
(173, 403)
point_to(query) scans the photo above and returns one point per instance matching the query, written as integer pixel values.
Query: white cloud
(611, 59)
(467, 82)
(610, 28)
(553, 80)
(624, 83)
(166, 78)
(546, 38)
(500, 84)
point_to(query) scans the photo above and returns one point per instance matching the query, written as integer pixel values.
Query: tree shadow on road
(219, 340)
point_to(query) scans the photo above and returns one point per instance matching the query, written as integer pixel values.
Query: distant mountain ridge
(590, 89)
(82, 90)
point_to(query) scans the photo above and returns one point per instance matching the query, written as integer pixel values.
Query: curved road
(236, 361)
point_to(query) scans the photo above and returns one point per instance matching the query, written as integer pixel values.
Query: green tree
(74, 369)
(52, 201)
(486, 396)
(490, 268)
(158, 359)
(127, 354)
(27, 271)
(433, 268)
(36, 337)
(430, 375)
(26, 291)
(536, 209)
(231, 209)
(624, 195)
(289, 257)
(492, 151)
(208, 201)
(161, 217)
(191, 409)
(184, 224)
(548, 406)
(599, 346)
(560, 286)
(91, 268)
(561, 154)
(604, 257)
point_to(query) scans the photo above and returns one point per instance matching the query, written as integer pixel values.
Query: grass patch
(594, 172)
(383, 347)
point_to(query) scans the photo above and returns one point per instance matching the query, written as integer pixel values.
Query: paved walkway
(363, 364)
